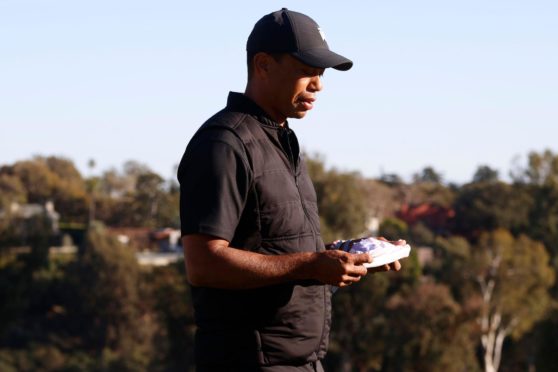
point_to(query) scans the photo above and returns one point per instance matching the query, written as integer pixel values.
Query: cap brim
(323, 58)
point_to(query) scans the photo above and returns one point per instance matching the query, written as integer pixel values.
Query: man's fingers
(351, 278)
(347, 280)
(357, 260)
(396, 265)
(361, 258)
(395, 242)
(357, 271)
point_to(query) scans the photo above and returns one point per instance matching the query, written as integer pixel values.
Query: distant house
(167, 239)
(153, 247)
(146, 239)
(27, 211)
(436, 218)
(135, 237)
(158, 258)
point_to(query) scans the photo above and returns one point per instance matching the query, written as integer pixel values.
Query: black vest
(281, 324)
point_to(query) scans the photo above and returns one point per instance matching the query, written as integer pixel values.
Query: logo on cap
(321, 33)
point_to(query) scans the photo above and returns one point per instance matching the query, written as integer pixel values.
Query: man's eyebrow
(313, 70)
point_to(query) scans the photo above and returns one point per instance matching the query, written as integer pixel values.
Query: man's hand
(339, 268)
(395, 266)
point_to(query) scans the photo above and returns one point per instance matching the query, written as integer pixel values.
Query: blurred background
(442, 134)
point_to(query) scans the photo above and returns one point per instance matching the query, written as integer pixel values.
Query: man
(259, 270)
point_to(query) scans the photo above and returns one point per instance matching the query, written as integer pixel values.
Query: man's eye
(312, 73)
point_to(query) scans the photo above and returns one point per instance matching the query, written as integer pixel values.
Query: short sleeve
(214, 182)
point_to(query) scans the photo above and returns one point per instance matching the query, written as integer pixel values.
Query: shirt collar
(239, 102)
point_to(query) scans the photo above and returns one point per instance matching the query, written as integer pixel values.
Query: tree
(512, 277)
(541, 169)
(430, 193)
(489, 206)
(52, 179)
(115, 185)
(37, 180)
(539, 178)
(137, 197)
(391, 179)
(451, 263)
(393, 229)
(380, 200)
(169, 294)
(544, 217)
(11, 191)
(108, 278)
(426, 330)
(357, 322)
(428, 175)
(485, 174)
(341, 201)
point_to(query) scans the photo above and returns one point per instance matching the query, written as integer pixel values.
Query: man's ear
(262, 64)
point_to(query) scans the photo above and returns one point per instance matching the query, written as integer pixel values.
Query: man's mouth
(307, 103)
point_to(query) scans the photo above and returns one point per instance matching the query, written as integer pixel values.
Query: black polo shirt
(215, 178)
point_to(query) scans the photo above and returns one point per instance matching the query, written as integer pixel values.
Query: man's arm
(211, 262)
(395, 265)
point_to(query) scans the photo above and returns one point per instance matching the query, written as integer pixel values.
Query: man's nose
(316, 84)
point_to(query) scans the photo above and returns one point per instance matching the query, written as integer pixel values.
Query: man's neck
(256, 96)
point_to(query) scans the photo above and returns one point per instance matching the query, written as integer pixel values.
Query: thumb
(361, 258)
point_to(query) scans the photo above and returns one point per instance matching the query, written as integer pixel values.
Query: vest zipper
(294, 167)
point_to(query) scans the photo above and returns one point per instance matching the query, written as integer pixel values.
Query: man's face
(292, 87)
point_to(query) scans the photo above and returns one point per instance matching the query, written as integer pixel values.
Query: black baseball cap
(285, 31)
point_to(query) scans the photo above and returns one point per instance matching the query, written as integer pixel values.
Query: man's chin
(298, 115)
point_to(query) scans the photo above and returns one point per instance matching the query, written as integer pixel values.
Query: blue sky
(435, 83)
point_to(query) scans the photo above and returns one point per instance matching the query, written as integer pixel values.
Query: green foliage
(358, 319)
(541, 169)
(137, 197)
(451, 265)
(169, 294)
(394, 229)
(485, 174)
(429, 321)
(48, 179)
(111, 302)
(522, 275)
(430, 193)
(544, 217)
(411, 271)
(12, 190)
(419, 234)
(391, 179)
(489, 206)
(546, 343)
(428, 175)
(341, 199)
